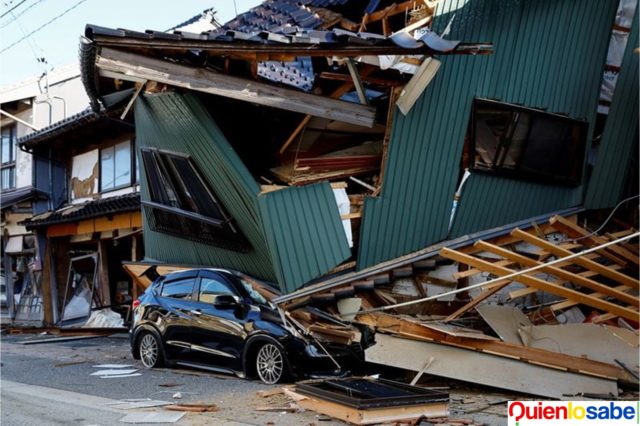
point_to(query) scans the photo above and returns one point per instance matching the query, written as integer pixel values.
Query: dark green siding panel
(620, 135)
(304, 232)
(548, 53)
(180, 123)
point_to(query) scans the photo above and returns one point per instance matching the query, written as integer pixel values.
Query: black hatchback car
(216, 320)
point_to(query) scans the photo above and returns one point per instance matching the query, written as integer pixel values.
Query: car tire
(150, 350)
(271, 364)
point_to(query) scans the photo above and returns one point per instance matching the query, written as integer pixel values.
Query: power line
(42, 26)
(22, 12)
(12, 9)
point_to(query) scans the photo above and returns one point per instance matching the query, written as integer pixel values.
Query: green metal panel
(548, 53)
(620, 135)
(304, 232)
(296, 233)
(180, 123)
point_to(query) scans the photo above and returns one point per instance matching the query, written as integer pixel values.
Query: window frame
(13, 152)
(133, 178)
(159, 178)
(573, 179)
(194, 284)
(214, 277)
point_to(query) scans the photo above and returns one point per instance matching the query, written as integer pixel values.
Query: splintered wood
(605, 280)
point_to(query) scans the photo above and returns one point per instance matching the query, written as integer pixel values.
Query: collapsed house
(348, 151)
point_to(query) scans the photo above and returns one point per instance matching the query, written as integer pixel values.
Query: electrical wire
(42, 26)
(12, 9)
(607, 219)
(19, 14)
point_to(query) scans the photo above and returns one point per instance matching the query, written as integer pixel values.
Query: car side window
(211, 287)
(180, 289)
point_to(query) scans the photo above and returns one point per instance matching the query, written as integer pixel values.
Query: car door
(176, 313)
(218, 332)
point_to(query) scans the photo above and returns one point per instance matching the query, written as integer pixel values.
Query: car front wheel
(271, 364)
(150, 350)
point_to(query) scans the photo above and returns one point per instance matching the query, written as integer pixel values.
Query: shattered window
(183, 205)
(526, 143)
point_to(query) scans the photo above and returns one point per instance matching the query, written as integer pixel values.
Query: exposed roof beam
(268, 51)
(215, 83)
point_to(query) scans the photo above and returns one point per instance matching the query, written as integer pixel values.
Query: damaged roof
(88, 210)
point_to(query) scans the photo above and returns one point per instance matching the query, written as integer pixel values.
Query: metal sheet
(548, 54)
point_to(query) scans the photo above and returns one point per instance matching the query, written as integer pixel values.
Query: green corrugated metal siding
(620, 134)
(180, 123)
(548, 53)
(307, 240)
(296, 233)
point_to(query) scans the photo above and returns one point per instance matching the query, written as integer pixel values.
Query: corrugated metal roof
(304, 232)
(547, 54)
(620, 134)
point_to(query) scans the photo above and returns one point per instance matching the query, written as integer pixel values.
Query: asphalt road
(63, 390)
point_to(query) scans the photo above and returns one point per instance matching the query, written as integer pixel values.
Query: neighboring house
(521, 120)
(29, 105)
(98, 225)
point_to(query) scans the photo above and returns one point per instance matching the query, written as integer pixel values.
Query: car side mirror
(226, 301)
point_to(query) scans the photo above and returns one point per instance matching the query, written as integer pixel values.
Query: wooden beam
(541, 284)
(526, 291)
(413, 328)
(369, 80)
(585, 263)
(216, 83)
(281, 51)
(357, 82)
(560, 273)
(619, 255)
(475, 302)
(570, 303)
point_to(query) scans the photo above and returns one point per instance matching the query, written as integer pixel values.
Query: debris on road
(363, 401)
(193, 407)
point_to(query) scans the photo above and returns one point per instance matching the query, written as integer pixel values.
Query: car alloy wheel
(149, 350)
(270, 364)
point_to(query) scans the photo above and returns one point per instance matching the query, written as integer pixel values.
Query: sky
(58, 40)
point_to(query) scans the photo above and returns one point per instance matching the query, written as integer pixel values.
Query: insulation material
(84, 175)
(104, 318)
(344, 207)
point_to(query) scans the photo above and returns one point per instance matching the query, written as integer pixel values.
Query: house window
(524, 143)
(183, 205)
(8, 158)
(115, 166)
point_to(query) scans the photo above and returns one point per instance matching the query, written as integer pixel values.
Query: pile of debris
(500, 312)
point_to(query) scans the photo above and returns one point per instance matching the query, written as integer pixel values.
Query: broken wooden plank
(220, 84)
(483, 368)
(527, 291)
(414, 329)
(541, 284)
(605, 271)
(617, 254)
(560, 273)
(418, 83)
